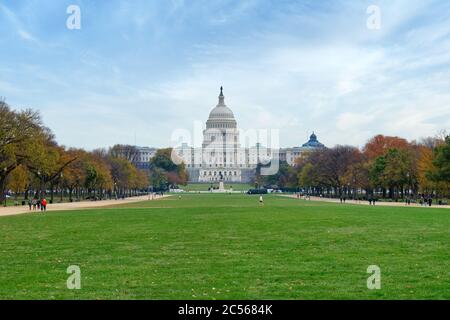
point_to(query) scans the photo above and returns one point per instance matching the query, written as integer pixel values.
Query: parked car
(257, 191)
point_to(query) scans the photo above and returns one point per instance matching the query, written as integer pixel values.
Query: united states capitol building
(221, 156)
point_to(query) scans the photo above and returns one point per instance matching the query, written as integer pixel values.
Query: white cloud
(353, 121)
(321, 71)
(18, 25)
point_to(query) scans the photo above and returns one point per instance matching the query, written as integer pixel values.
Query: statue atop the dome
(221, 97)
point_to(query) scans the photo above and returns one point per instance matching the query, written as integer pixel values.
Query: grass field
(220, 246)
(205, 186)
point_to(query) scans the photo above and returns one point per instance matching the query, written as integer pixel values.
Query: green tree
(123, 173)
(48, 162)
(306, 177)
(162, 164)
(18, 133)
(74, 175)
(394, 171)
(442, 162)
(158, 179)
(18, 180)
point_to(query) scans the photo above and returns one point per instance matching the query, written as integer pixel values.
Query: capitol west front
(221, 157)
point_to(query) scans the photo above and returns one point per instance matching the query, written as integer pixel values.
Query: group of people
(305, 196)
(426, 201)
(37, 204)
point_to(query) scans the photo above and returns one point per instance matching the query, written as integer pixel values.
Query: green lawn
(205, 186)
(221, 246)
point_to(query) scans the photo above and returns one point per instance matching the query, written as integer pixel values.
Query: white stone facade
(221, 157)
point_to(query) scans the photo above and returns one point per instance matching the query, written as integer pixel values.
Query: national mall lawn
(223, 246)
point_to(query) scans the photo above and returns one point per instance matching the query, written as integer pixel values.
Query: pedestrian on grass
(261, 201)
(44, 205)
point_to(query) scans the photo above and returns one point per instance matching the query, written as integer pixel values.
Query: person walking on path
(408, 201)
(30, 203)
(44, 205)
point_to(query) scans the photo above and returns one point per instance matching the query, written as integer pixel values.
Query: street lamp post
(40, 185)
(61, 186)
(408, 185)
(4, 191)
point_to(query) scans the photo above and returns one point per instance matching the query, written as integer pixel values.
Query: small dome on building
(313, 142)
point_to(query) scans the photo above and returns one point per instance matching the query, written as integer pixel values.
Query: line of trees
(388, 167)
(164, 173)
(33, 164)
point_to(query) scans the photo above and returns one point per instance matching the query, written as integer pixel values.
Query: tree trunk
(52, 187)
(41, 189)
(2, 190)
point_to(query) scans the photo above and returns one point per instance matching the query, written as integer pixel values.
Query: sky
(137, 71)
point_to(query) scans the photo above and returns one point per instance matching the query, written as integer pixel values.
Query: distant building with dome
(221, 157)
(290, 155)
(313, 143)
(220, 147)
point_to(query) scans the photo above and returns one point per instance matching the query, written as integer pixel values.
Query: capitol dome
(221, 116)
(221, 112)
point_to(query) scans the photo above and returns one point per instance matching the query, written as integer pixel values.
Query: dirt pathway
(9, 211)
(378, 203)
